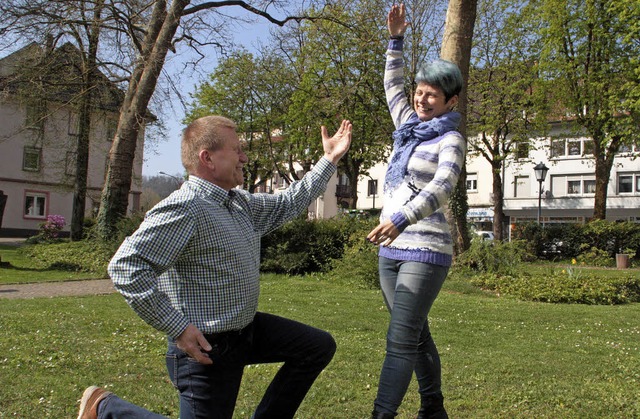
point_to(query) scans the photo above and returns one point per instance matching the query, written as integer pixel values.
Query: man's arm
(145, 255)
(271, 211)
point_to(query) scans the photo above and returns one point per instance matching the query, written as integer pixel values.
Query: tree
(255, 93)
(456, 47)
(340, 76)
(506, 102)
(161, 35)
(590, 55)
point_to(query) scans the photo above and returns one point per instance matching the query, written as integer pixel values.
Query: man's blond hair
(202, 134)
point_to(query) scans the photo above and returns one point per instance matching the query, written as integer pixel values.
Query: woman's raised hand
(396, 20)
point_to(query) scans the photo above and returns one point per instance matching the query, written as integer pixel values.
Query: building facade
(567, 191)
(38, 149)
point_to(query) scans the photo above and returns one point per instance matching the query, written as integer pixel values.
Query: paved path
(57, 289)
(53, 289)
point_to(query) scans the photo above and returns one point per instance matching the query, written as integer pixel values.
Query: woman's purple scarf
(408, 136)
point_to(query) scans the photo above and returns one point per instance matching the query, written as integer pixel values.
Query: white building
(568, 190)
(38, 145)
(567, 194)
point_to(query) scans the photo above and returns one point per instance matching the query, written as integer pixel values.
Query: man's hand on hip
(193, 342)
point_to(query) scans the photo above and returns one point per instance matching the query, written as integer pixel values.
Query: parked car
(485, 235)
(552, 248)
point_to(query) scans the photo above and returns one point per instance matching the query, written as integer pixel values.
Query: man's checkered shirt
(196, 257)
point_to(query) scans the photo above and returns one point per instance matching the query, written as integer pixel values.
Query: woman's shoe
(432, 407)
(378, 415)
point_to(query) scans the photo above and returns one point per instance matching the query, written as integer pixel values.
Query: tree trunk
(603, 174)
(498, 201)
(456, 47)
(82, 164)
(115, 195)
(89, 69)
(354, 175)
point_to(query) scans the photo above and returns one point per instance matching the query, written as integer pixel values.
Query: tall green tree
(340, 67)
(590, 54)
(507, 104)
(166, 26)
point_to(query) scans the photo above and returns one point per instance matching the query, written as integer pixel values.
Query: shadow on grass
(57, 266)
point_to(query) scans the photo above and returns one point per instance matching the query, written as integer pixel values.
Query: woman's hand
(396, 22)
(384, 234)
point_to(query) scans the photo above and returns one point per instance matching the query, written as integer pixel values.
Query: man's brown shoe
(91, 397)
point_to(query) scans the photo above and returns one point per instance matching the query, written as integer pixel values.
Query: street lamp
(178, 181)
(541, 173)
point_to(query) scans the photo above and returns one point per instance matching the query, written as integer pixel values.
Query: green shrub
(595, 257)
(571, 285)
(303, 246)
(565, 241)
(359, 264)
(127, 226)
(495, 256)
(82, 256)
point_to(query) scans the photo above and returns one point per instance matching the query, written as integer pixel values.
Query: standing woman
(415, 240)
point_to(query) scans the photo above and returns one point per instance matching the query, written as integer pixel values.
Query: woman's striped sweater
(415, 205)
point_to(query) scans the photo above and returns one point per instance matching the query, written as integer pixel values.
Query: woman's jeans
(409, 290)
(210, 391)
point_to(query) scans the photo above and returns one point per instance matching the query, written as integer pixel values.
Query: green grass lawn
(501, 358)
(18, 268)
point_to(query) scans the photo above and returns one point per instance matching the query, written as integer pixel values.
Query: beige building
(38, 149)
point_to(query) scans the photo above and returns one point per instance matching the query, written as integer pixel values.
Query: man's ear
(205, 158)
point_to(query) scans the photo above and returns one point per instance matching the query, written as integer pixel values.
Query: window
(35, 204)
(110, 128)
(571, 147)
(74, 123)
(372, 187)
(522, 187)
(472, 182)
(574, 147)
(557, 148)
(522, 150)
(573, 187)
(589, 186)
(35, 117)
(625, 184)
(629, 183)
(628, 148)
(624, 148)
(31, 159)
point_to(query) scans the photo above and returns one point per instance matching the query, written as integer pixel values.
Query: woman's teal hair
(442, 74)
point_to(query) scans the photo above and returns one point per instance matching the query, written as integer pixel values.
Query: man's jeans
(409, 290)
(113, 407)
(210, 391)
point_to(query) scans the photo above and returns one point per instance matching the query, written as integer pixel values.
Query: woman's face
(429, 102)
